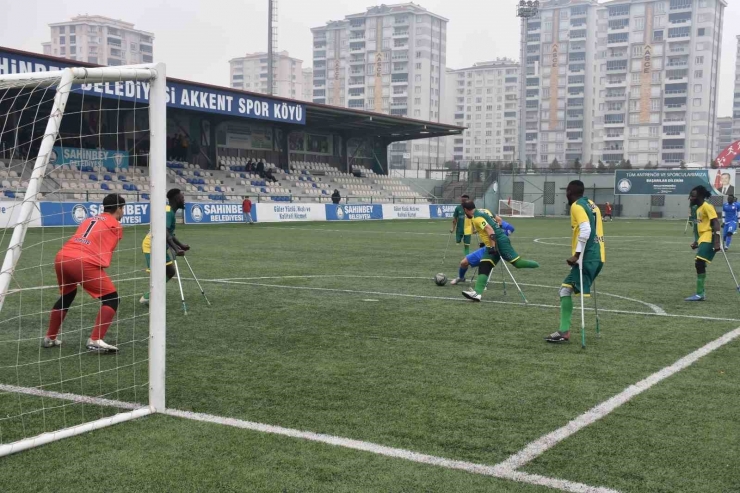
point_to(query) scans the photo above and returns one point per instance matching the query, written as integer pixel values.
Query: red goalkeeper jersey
(95, 240)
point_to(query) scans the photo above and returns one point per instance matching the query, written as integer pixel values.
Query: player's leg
(704, 256)
(466, 244)
(572, 285)
(509, 254)
(68, 275)
(488, 262)
(98, 285)
(169, 271)
(470, 260)
(729, 231)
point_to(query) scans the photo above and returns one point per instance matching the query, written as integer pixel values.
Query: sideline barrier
(49, 214)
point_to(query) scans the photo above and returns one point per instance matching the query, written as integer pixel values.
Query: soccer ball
(440, 279)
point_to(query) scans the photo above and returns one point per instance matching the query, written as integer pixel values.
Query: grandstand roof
(318, 116)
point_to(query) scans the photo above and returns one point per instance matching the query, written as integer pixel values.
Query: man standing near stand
(247, 210)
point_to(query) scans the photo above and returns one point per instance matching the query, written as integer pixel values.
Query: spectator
(261, 168)
(250, 165)
(269, 176)
(247, 210)
(335, 197)
(177, 144)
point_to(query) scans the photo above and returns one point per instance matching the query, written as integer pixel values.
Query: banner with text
(673, 182)
(442, 211)
(268, 213)
(89, 157)
(406, 211)
(9, 212)
(217, 213)
(72, 214)
(353, 212)
(180, 94)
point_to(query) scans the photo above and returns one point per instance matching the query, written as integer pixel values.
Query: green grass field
(338, 329)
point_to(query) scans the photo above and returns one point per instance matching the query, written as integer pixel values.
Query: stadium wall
(547, 192)
(71, 214)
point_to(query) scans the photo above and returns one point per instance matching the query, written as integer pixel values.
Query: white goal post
(515, 208)
(23, 98)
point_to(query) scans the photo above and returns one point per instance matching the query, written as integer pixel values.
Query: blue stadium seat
(201, 189)
(218, 189)
(263, 190)
(9, 194)
(197, 173)
(108, 178)
(122, 177)
(104, 186)
(145, 196)
(179, 173)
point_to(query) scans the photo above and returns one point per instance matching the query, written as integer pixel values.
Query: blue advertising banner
(89, 157)
(351, 212)
(441, 211)
(72, 214)
(179, 94)
(214, 213)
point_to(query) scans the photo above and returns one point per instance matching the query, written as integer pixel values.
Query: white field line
(542, 444)
(329, 440)
(655, 308)
(446, 298)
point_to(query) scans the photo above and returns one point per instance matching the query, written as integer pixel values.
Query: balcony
(679, 5)
(615, 95)
(359, 36)
(614, 147)
(356, 81)
(357, 60)
(616, 81)
(614, 122)
(400, 105)
(678, 49)
(575, 137)
(674, 107)
(396, 79)
(401, 33)
(674, 132)
(400, 46)
(674, 76)
(614, 136)
(679, 33)
(357, 25)
(675, 118)
(319, 55)
(354, 48)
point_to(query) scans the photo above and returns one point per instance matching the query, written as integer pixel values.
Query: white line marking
(331, 440)
(446, 298)
(394, 452)
(546, 442)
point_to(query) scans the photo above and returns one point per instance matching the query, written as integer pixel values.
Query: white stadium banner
(267, 213)
(9, 215)
(406, 211)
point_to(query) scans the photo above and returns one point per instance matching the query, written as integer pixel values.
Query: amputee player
(176, 200)
(473, 259)
(707, 237)
(588, 247)
(730, 210)
(497, 246)
(462, 226)
(83, 260)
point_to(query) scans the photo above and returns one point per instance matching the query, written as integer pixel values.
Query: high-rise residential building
(484, 98)
(648, 70)
(723, 135)
(100, 40)
(736, 96)
(307, 94)
(389, 59)
(250, 73)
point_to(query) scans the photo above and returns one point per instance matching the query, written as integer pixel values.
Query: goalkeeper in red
(83, 260)
(588, 248)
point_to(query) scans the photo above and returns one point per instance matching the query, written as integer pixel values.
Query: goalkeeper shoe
(457, 281)
(558, 338)
(49, 343)
(696, 297)
(100, 346)
(472, 295)
(144, 301)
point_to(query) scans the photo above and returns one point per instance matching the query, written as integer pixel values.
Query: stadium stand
(303, 182)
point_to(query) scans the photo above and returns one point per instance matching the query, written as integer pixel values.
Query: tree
(601, 167)
(626, 164)
(649, 165)
(555, 165)
(577, 165)
(714, 164)
(682, 164)
(590, 166)
(613, 165)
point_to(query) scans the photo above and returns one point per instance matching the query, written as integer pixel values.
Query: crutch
(197, 281)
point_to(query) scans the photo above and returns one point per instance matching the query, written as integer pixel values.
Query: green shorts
(462, 237)
(591, 270)
(705, 252)
(503, 249)
(148, 258)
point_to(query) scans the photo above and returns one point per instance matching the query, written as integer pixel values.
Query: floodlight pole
(524, 10)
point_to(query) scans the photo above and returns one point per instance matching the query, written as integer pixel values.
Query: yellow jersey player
(587, 242)
(707, 237)
(461, 225)
(496, 247)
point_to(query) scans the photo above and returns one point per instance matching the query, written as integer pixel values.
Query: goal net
(515, 208)
(68, 140)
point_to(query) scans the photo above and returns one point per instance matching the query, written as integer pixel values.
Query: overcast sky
(197, 38)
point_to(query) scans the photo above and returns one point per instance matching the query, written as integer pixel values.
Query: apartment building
(250, 73)
(484, 98)
(390, 59)
(100, 40)
(649, 72)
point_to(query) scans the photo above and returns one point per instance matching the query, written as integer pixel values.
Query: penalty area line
(447, 298)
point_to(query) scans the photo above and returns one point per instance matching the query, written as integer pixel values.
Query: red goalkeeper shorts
(74, 271)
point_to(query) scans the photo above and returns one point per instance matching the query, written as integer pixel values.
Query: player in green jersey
(587, 242)
(176, 200)
(461, 225)
(497, 246)
(707, 237)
